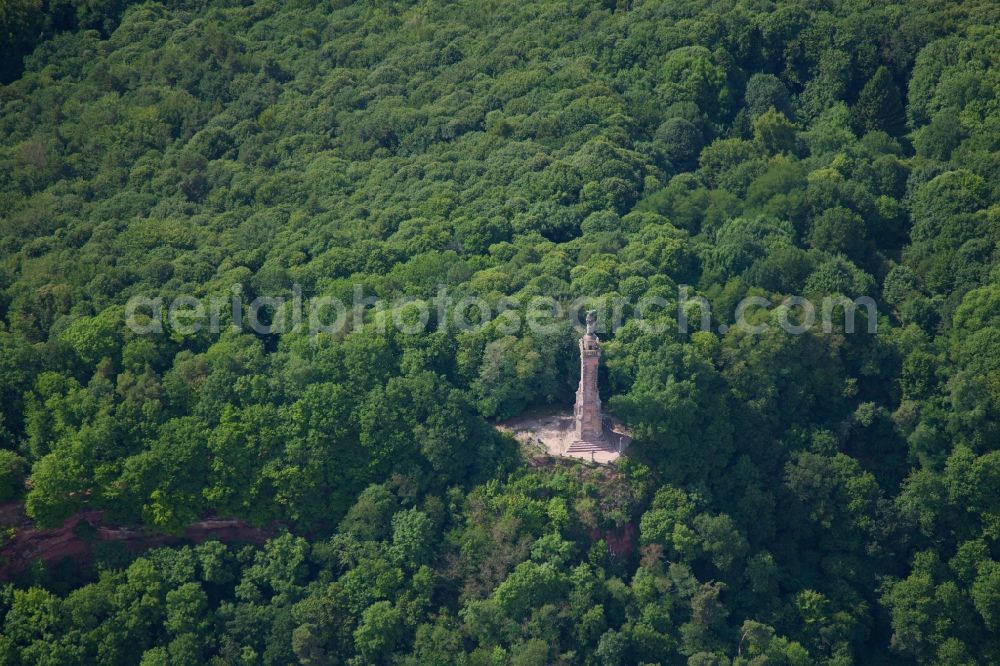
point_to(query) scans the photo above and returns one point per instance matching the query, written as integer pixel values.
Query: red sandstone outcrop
(29, 543)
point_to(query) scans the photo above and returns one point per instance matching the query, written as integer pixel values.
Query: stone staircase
(587, 447)
(608, 442)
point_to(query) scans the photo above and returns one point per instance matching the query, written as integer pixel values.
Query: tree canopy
(829, 497)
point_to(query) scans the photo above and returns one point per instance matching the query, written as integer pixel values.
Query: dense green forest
(826, 498)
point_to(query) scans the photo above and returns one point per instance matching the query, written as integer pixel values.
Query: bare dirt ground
(550, 432)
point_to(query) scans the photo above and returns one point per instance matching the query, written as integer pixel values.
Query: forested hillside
(829, 497)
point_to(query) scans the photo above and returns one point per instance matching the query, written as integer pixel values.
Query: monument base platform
(555, 432)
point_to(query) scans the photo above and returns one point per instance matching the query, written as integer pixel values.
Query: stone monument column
(589, 426)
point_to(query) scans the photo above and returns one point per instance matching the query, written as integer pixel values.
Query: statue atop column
(587, 411)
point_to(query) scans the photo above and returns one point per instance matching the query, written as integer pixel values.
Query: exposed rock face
(30, 543)
(621, 542)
